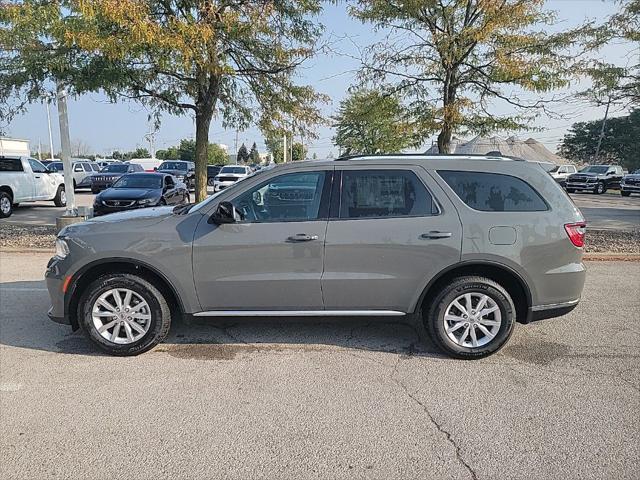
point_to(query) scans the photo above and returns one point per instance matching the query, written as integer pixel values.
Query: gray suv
(470, 244)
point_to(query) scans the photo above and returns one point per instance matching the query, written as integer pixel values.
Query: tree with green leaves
(620, 144)
(243, 154)
(453, 60)
(299, 153)
(370, 121)
(233, 59)
(217, 155)
(254, 155)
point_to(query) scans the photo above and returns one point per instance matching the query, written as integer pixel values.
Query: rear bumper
(543, 312)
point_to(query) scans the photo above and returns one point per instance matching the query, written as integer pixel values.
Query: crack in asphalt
(433, 421)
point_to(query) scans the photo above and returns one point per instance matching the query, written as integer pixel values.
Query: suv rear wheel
(124, 314)
(471, 318)
(600, 188)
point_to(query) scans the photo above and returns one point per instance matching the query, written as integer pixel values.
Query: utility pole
(236, 146)
(65, 144)
(49, 125)
(284, 148)
(601, 137)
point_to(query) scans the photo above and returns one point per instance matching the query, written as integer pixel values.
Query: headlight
(62, 249)
(147, 201)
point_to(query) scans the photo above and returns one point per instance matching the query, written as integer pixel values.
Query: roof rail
(493, 154)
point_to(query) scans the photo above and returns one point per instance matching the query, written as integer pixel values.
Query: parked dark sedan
(139, 190)
(111, 173)
(183, 171)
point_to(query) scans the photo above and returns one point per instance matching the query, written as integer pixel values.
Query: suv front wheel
(471, 318)
(124, 314)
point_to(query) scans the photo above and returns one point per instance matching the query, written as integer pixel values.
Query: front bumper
(590, 186)
(626, 187)
(217, 186)
(55, 283)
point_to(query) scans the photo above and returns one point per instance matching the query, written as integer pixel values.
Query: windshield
(115, 168)
(173, 166)
(233, 170)
(139, 181)
(595, 169)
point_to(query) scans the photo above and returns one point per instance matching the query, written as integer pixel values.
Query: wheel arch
(506, 276)
(88, 273)
(7, 189)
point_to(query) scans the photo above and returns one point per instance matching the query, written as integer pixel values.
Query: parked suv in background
(212, 171)
(82, 172)
(595, 179)
(471, 244)
(561, 172)
(110, 173)
(230, 174)
(184, 172)
(630, 183)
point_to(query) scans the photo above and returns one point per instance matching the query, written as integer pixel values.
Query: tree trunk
(444, 139)
(203, 120)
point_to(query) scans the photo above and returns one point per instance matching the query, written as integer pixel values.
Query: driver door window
(293, 197)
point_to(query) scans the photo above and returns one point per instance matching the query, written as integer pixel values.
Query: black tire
(600, 188)
(60, 200)
(210, 182)
(434, 317)
(6, 205)
(159, 309)
(570, 190)
(74, 186)
(625, 194)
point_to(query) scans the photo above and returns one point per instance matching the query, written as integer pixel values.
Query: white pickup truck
(24, 179)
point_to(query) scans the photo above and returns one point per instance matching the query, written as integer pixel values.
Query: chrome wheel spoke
(485, 330)
(482, 303)
(474, 339)
(464, 336)
(141, 316)
(127, 329)
(455, 327)
(107, 326)
(457, 304)
(116, 332)
(136, 327)
(105, 304)
(491, 323)
(103, 313)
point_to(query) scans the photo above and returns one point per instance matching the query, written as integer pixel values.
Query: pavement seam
(435, 423)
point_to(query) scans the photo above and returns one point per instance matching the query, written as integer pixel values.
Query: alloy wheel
(5, 205)
(121, 316)
(472, 320)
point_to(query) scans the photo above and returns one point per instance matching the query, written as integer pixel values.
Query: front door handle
(302, 237)
(434, 234)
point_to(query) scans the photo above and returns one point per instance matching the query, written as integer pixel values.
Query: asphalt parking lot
(608, 211)
(345, 398)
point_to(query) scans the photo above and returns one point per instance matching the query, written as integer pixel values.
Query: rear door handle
(302, 237)
(434, 234)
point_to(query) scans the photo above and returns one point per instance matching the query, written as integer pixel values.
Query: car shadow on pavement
(24, 324)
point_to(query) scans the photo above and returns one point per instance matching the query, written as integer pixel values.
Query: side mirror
(225, 213)
(155, 169)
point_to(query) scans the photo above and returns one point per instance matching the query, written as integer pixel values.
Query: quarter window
(384, 193)
(10, 164)
(494, 192)
(286, 198)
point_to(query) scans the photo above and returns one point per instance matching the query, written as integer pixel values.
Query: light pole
(49, 125)
(65, 144)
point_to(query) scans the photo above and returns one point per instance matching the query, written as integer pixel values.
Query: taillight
(576, 232)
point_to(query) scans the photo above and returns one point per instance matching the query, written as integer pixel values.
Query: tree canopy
(370, 121)
(232, 59)
(621, 142)
(454, 59)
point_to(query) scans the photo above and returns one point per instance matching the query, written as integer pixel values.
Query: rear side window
(10, 164)
(384, 193)
(494, 192)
